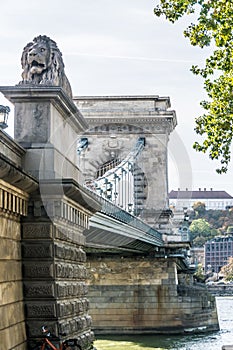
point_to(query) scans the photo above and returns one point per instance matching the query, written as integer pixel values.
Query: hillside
(206, 224)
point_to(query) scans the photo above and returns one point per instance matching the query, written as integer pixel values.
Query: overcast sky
(118, 47)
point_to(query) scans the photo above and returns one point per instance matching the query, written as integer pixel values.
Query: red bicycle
(51, 342)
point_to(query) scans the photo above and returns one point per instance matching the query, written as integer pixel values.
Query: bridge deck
(113, 227)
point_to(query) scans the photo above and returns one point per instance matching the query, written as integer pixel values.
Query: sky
(119, 47)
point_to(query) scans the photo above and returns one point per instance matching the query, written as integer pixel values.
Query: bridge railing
(112, 210)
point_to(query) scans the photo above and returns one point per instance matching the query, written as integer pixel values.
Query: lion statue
(42, 64)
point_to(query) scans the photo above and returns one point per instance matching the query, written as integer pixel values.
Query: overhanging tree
(214, 25)
(199, 208)
(227, 270)
(200, 231)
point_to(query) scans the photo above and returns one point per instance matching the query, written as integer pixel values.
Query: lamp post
(4, 112)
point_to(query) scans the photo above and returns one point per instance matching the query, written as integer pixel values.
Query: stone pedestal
(47, 125)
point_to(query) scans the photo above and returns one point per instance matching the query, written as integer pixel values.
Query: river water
(210, 341)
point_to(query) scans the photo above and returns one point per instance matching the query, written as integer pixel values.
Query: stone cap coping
(56, 95)
(126, 98)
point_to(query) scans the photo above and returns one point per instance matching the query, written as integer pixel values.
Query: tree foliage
(227, 270)
(221, 221)
(200, 227)
(200, 231)
(199, 208)
(200, 273)
(214, 25)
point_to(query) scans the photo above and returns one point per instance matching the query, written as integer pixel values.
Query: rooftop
(200, 194)
(227, 238)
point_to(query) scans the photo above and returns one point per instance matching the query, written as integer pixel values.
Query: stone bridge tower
(115, 124)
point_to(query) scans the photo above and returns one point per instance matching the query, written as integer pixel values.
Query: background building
(217, 252)
(213, 199)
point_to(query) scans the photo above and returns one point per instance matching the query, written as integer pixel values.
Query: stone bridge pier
(146, 294)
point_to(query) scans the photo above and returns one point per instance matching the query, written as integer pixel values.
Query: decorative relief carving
(42, 250)
(85, 340)
(73, 308)
(69, 235)
(40, 113)
(37, 230)
(38, 270)
(115, 128)
(73, 253)
(38, 290)
(70, 271)
(136, 125)
(32, 122)
(34, 326)
(77, 324)
(40, 310)
(113, 143)
(77, 289)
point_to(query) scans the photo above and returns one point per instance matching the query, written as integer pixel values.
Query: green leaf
(214, 26)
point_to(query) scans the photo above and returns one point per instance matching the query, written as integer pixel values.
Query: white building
(212, 199)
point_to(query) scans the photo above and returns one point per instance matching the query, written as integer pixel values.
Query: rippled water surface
(210, 341)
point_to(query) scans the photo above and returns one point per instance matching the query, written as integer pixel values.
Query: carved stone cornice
(126, 119)
(126, 125)
(123, 101)
(134, 110)
(15, 176)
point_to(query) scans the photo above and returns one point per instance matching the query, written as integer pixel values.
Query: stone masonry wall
(54, 273)
(141, 294)
(12, 321)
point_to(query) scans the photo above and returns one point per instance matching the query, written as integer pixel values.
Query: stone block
(37, 230)
(11, 314)
(10, 229)
(13, 337)
(34, 327)
(37, 250)
(32, 124)
(40, 310)
(10, 250)
(39, 289)
(11, 292)
(39, 270)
